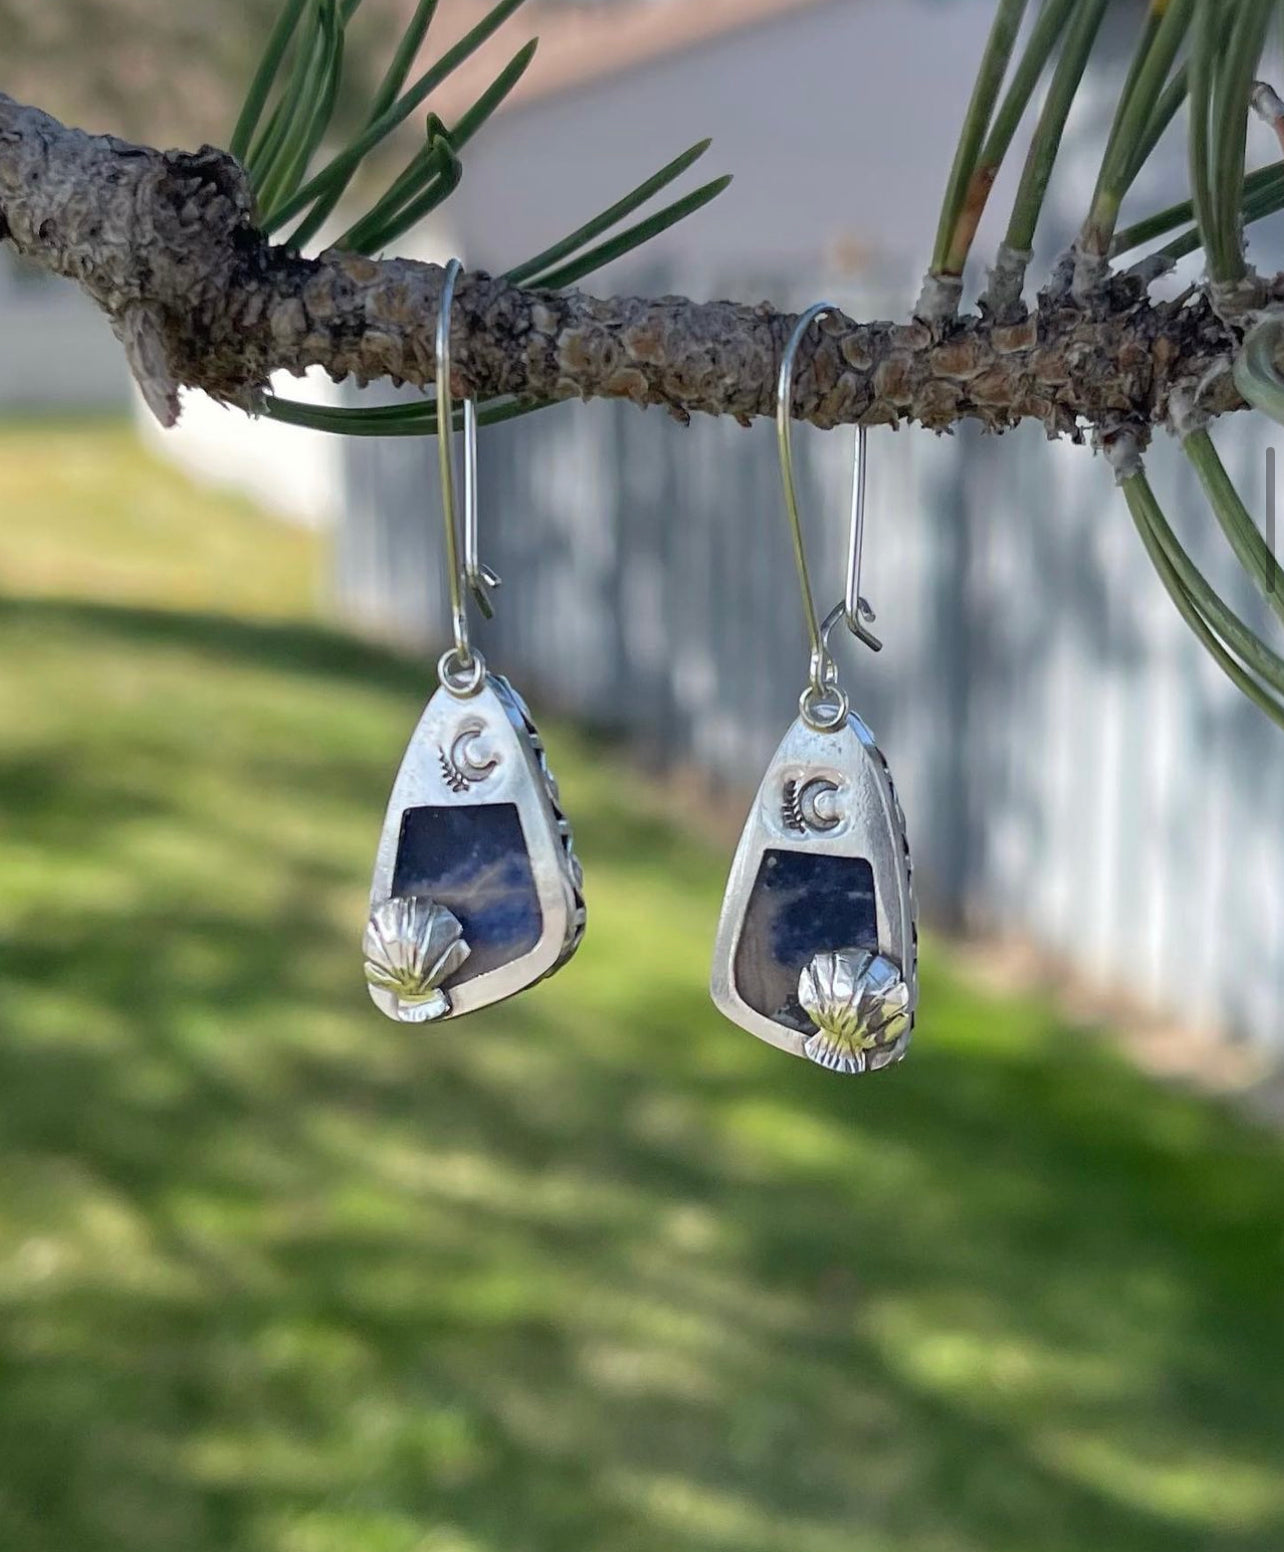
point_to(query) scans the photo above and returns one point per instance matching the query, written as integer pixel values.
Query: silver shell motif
(862, 1009)
(411, 946)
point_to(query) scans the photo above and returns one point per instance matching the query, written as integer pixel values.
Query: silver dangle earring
(817, 946)
(477, 893)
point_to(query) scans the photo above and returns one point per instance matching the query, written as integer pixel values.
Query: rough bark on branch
(165, 243)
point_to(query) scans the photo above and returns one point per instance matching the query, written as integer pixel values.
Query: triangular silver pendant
(817, 946)
(477, 892)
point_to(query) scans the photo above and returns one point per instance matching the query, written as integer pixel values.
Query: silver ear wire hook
(479, 577)
(853, 610)
(462, 670)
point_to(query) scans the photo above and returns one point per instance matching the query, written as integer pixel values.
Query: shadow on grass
(592, 1272)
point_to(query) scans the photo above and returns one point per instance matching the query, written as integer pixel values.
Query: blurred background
(596, 1271)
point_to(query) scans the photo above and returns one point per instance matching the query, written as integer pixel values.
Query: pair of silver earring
(477, 892)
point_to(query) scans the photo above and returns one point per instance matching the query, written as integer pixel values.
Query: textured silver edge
(521, 777)
(519, 715)
(872, 826)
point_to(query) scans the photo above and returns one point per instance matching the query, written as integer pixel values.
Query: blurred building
(57, 351)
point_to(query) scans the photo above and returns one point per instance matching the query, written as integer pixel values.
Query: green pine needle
(418, 418)
(976, 123)
(324, 190)
(632, 237)
(265, 78)
(609, 217)
(1148, 517)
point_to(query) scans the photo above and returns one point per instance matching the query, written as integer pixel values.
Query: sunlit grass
(593, 1272)
(84, 514)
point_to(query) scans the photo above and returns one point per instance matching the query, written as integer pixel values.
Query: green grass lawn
(594, 1272)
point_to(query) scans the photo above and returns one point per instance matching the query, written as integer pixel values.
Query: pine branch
(166, 244)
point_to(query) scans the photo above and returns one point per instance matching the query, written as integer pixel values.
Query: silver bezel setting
(503, 763)
(860, 815)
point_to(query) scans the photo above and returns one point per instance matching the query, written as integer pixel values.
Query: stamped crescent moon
(459, 758)
(458, 767)
(810, 805)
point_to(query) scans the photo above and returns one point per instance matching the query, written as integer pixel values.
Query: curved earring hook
(462, 669)
(856, 610)
(853, 610)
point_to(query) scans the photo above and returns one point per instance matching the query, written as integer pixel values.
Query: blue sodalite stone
(801, 904)
(473, 860)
